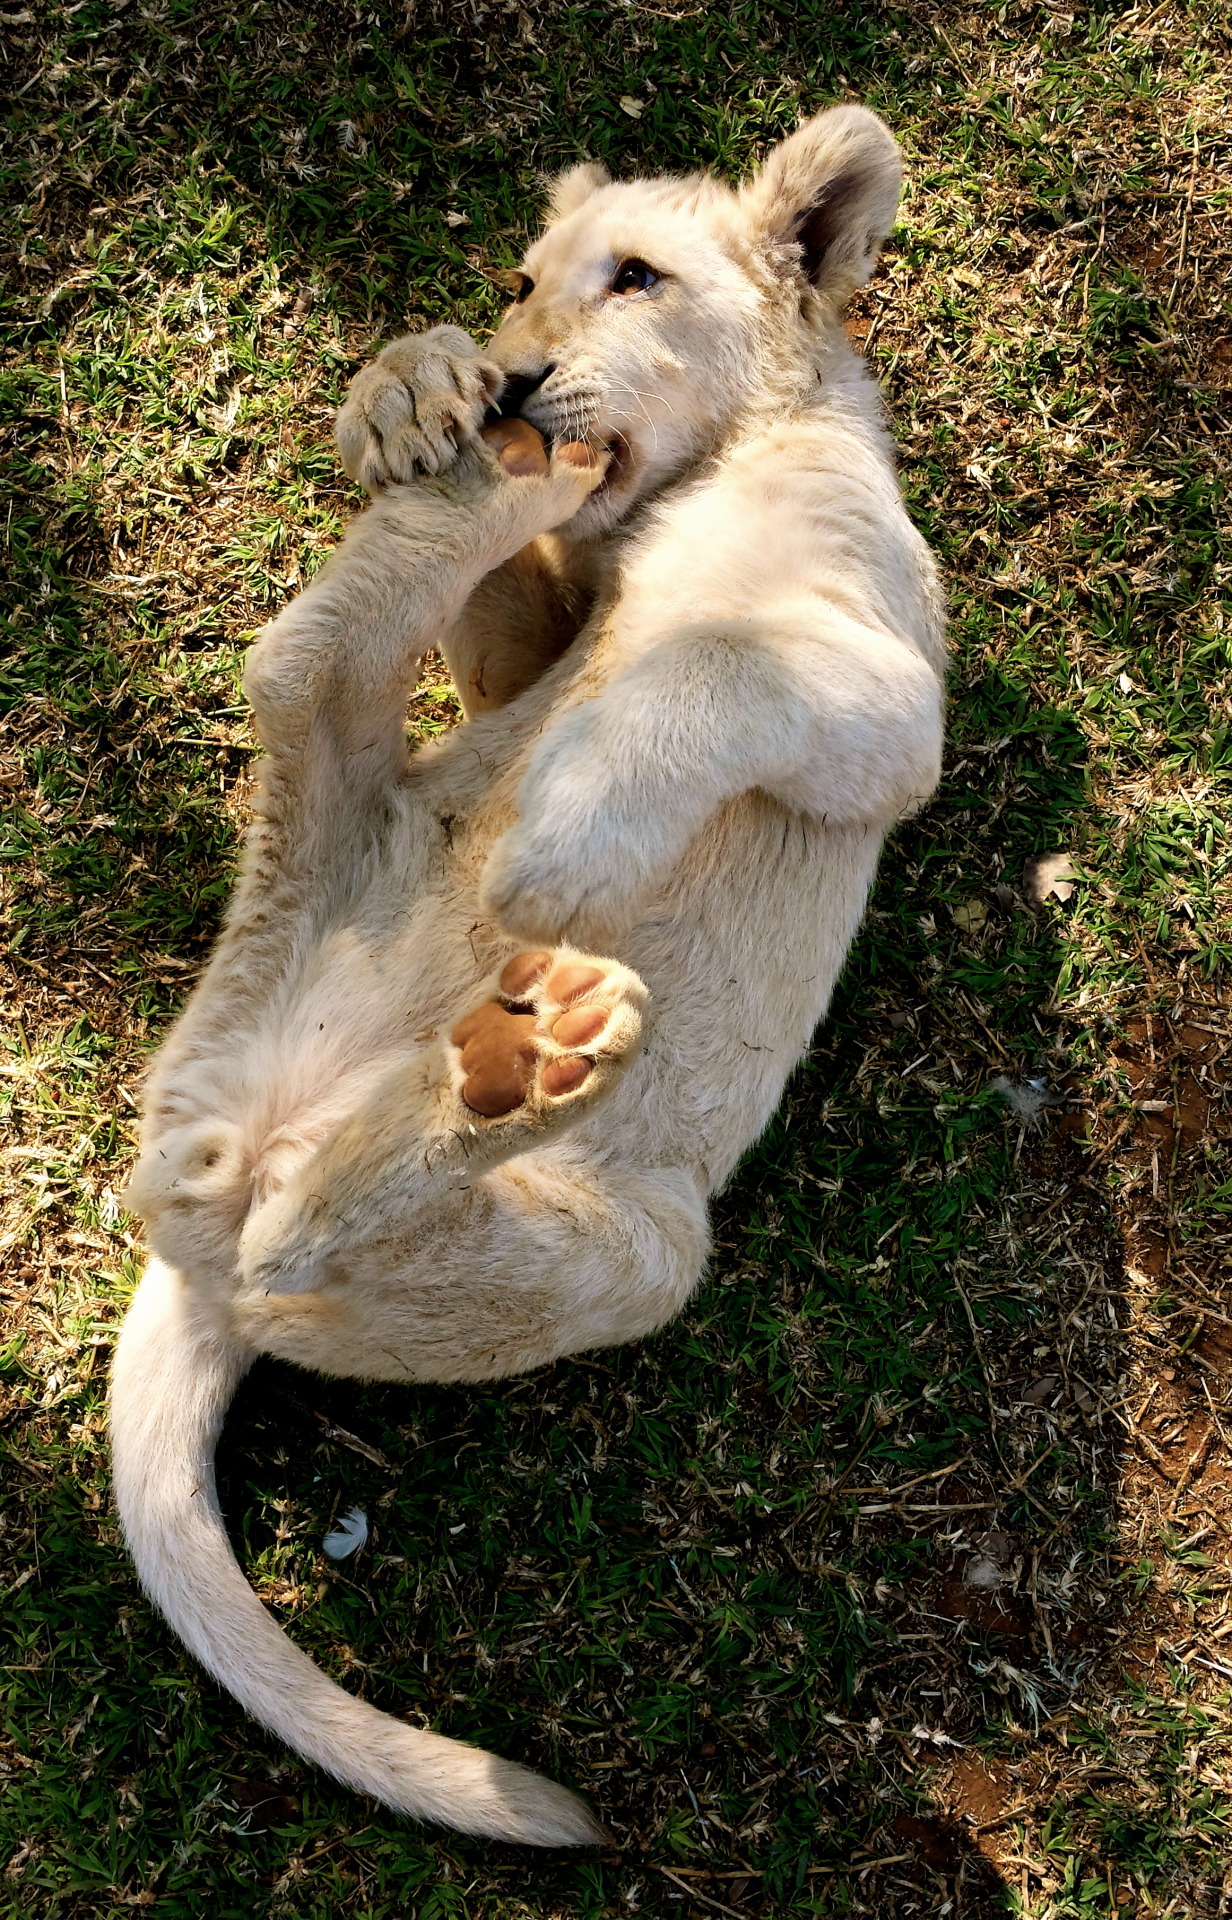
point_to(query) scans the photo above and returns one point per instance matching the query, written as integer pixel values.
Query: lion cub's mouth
(620, 467)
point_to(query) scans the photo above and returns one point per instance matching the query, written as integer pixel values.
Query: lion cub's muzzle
(562, 417)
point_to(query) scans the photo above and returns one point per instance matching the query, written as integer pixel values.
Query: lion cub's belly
(369, 993)
(364, 981)
(399, 951)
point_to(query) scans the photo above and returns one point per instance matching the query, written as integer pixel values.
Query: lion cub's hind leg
(552, 1033)
(193, 1189)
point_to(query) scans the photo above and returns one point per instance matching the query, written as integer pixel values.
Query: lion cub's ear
(575, 185)
(830, 189)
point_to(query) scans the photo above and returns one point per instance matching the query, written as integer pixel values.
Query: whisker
(572, 415)
(660, 398)
(641, 399)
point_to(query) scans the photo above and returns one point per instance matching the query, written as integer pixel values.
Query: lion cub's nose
(519, 387)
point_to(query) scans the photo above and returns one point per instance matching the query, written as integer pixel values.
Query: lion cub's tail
(174, 1376)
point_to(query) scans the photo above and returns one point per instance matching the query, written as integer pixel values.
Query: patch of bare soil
(1177, 1474)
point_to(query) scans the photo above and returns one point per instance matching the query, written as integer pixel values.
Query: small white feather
(348, 1536)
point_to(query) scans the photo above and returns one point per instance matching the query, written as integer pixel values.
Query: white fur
(698, 695)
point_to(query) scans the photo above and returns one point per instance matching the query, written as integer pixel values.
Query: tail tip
(538, 1813)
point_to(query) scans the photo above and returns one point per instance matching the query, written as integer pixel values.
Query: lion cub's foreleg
(776, 630)
(407, 414)
(838, 722)
(330, 678)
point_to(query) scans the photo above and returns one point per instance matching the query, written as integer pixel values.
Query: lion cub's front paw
(514, 489)
(408, 413)
(542, 885)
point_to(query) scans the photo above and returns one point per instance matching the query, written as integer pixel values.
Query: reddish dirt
(976, 1790)
(1177, 1464)
(975, 1796)
(1177, 1070)
(1000, 1614)
(948, 1846)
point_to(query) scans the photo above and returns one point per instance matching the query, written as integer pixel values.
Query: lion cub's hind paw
(553, 1034)
(559, 1029)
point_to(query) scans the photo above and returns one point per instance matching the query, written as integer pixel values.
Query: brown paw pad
(521, 973)
(580, 1024)
(498, 1058)
(563, 1076)
(570, 982)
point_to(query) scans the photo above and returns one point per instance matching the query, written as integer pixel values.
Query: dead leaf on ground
(1042, 1389)
(969, 915)
(302, 307)
(1049, 874)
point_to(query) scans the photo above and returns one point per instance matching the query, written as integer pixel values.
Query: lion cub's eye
(634, 276)
(525, 288)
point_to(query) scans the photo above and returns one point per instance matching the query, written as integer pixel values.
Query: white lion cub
(488, 1023)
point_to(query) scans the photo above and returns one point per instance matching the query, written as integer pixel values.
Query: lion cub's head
(654, 315)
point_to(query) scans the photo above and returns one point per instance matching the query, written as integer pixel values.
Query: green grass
(675, 1576)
